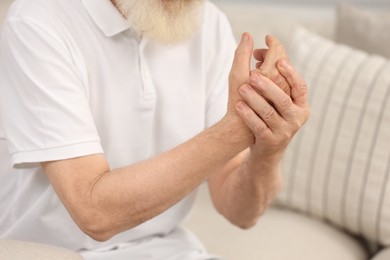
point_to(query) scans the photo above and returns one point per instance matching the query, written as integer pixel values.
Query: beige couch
(281, 233)
(289, 230)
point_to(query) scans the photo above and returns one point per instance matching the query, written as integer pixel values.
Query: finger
(275, 52)
(276, 77)
(282, 83)
(272, 41)
(242, 59)
(260, 106)
(252, 120)
(280, 100)
(260, 54)
(297, 83)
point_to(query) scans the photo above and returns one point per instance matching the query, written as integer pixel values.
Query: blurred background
(297, 226)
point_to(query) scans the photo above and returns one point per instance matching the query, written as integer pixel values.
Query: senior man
(114, 112)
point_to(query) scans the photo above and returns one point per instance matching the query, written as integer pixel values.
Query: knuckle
(265, 72)
(303, 86)
(302, 90)
(275, 75)
(268, 114)
(282, 84)
(296, 124)
(285, 102)
(286, 135)
(256, 72)
(259, 129)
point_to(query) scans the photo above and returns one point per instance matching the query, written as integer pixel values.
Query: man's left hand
(272, 115)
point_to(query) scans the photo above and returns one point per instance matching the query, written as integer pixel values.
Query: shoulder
(40, 13)
(217, 33)
(215, 25)
(39, 19)
(213, 16)
(31, 9)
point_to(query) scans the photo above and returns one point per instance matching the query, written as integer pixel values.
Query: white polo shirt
(75, 80)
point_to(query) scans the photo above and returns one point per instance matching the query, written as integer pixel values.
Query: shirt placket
(149, 90)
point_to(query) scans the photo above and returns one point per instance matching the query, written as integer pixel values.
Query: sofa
(334, 203)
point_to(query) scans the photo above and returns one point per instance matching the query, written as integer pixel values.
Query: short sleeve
(220, 52)
(44, 104)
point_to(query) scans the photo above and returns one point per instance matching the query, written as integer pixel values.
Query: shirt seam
(56, 147)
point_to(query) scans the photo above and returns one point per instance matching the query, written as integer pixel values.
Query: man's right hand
(267, 62)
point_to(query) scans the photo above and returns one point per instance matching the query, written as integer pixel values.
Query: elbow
(246, 222)
(246, 225)
(94, 225)
(97, 233)
(102, 226)
(96, 229)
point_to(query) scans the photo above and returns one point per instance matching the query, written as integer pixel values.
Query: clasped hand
(271, 100)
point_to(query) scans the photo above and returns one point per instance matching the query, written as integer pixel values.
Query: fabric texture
(363, 29)
(21, 250)
(280, 234)
(338, 166)
(382, 255)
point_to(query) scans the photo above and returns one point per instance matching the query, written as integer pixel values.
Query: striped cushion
(337, 168)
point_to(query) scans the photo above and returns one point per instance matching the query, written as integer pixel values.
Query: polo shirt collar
(106, 16)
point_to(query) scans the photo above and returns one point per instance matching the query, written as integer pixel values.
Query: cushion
(20, 250)
(366, 30)
(337, 167)
(382, 255)
(279, 235)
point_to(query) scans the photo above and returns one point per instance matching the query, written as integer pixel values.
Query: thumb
(242, 59)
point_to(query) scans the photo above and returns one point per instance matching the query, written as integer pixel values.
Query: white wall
(312, 2)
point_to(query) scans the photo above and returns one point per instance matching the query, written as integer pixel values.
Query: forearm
(245, 188)
(111, 201)
(104, 202)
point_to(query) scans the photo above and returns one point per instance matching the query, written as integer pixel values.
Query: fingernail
(244, 38)
(255, 79)
(284, 64)
(240, 105)
(244, 89)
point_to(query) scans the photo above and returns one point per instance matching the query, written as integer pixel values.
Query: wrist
(264, 162)
(234, 132)
(265, 170)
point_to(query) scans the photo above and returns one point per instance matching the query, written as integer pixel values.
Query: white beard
(163, 21)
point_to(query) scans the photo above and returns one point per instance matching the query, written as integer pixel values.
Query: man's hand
(239, 75)
(245, 187)
(267, 62)
(240, 71)
(273, 125)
